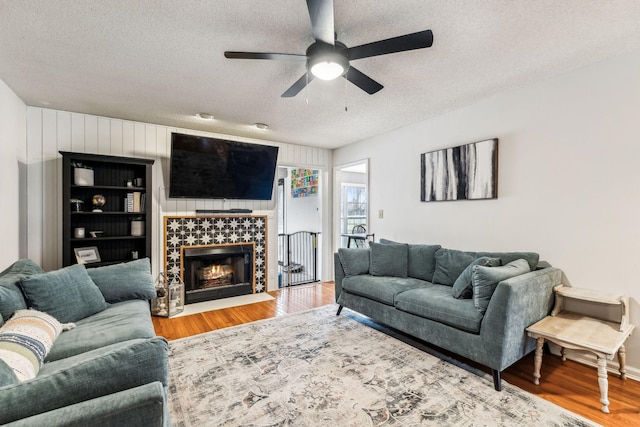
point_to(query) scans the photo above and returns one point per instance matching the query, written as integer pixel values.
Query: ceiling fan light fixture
(327, 70)
(328, 66)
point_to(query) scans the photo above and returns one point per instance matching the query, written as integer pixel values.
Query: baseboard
(591, 360)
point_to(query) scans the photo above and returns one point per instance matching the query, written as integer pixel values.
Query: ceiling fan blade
(298, 85)
(363, 81)
(322, 22)
(264, 55)
(418, 40)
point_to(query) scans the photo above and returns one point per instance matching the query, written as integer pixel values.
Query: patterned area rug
(318, 369)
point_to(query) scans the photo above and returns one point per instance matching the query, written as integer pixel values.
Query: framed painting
(466, 172)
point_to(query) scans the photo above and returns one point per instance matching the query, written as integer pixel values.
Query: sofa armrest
(86, 376)
(338, 275)
(516, 304)
(145, 405)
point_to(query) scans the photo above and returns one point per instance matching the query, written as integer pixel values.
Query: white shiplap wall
(50, 131)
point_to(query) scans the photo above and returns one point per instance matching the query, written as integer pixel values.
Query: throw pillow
(25, 340)
(125, 281)
(449, 265)
(354, 261)
(422, 261)
(389, 259)
(462, 287)
(388, 242)
(486, 279)
(506, 257)
(11, 298)
(67, 294)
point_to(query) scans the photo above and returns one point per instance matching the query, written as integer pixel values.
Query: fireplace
(217, 271)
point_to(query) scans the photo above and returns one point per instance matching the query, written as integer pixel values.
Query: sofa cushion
(449, 265)
(67, 294)
(26, 339)
(435, 302)
(380, 288)
(7, 375)
(125, 281)
(86, 376)
(11, 298)
(389, 259)
(422, 261)
(506, 257)
(120, 322)
(354, 261)
(462, 287)
(486, 279)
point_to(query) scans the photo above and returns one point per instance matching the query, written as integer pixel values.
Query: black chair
(360, 229)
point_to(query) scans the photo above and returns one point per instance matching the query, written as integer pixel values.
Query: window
(353, 208)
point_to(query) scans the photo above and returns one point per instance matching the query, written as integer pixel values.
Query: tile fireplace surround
(213, 230)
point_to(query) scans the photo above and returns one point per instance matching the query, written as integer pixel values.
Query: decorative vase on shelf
(83, 175)
(137, 228)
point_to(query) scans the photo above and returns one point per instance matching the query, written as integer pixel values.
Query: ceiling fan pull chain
(345, 95)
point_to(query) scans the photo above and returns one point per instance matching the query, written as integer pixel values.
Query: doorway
(351, 204)
(299, 223)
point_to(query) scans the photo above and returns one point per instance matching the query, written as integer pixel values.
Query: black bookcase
(114, 178)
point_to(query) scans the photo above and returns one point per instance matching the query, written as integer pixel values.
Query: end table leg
(537, 361)
(622, 359)
(603, 383)
(563, 352)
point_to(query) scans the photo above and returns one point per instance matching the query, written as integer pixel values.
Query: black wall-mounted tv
(211, 168)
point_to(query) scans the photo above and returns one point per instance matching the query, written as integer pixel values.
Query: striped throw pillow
(25, 340)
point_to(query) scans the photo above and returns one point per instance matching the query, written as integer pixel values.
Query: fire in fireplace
(215, 275)
(217, 271)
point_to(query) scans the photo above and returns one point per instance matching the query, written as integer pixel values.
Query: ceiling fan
(328, 59)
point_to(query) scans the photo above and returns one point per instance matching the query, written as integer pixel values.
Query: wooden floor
(570, 385)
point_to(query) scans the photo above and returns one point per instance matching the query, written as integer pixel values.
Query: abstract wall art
(466, 172)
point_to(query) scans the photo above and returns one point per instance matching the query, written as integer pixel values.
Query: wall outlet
(380, 213)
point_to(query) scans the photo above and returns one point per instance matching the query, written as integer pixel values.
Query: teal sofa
(474, 304)
(108, 367)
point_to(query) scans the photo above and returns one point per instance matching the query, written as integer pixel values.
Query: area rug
(318, 369)
(218, 304)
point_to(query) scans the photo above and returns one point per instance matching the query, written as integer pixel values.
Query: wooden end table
(580, 332)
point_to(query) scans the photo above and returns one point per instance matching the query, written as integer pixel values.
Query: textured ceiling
(161, 61)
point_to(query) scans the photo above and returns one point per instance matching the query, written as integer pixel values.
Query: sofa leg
(339, 311)
(496, 380)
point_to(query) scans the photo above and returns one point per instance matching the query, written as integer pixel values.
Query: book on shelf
(134, 202)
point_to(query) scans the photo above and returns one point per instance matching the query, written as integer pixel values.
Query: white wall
(569, 187)
(12, 176)
(49, 131)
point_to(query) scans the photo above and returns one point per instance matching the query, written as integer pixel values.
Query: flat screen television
(211, 168)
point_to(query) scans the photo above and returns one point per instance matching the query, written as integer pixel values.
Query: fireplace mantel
(186, 231)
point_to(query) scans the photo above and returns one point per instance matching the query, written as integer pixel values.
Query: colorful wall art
(460, 173)
(304, 183)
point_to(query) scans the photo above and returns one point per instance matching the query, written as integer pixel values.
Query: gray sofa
(474, 304)
(108, 369)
